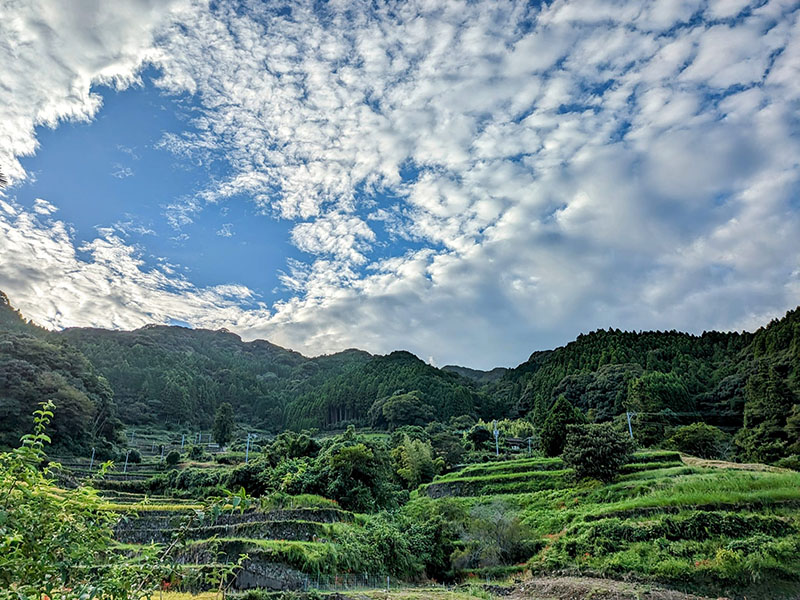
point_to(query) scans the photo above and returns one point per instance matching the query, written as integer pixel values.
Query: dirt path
(589, 588)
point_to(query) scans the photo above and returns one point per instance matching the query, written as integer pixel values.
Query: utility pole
(91, 462)
(496, 439)
(125, 470)
(247, 447)
(529, 446)
(162, 453)
(630, 429)
(183, 439)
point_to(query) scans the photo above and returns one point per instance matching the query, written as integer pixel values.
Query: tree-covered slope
(180, 375)
(34, 368)
(746, 383)
(595, 371)
(349, 396)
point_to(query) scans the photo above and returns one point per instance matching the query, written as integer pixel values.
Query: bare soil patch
(693, 461)
(590, 588)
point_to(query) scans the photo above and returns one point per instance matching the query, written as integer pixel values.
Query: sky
(470, 181)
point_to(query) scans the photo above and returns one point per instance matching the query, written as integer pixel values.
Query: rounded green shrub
(597, 451)
(173, 458)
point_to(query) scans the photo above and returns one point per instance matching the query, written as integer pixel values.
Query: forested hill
(390, 390)
(476, 374)
(179, 376)
(36, 366)
(594, 372)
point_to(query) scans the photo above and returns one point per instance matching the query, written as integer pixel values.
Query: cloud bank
(470, 181)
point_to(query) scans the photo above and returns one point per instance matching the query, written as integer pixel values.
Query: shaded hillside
(748, 384)
(180, 375)
(595, 371)
(35, 368)
(348, 397)
(476, 374)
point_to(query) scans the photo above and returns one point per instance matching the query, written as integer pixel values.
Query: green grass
(147, 507)
(661, 520)
(308, 557)
(511, 466)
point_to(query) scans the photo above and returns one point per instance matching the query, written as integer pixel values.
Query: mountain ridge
(178, 375)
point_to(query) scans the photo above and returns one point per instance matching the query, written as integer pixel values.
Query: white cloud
(52, 53)
(551, 169)
(121, 172)
(103, 282)
(226, 230)
(43, 207)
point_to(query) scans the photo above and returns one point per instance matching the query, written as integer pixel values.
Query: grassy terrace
(661, 520)
(308, 557)
(531, 475)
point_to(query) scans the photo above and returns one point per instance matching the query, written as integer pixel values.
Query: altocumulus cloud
(547, 169)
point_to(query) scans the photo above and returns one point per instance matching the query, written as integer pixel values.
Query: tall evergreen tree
(768, 402)
(554, 430)
(223, 424)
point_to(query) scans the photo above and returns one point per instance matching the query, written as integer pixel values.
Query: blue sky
(470, 181)
(112, 173)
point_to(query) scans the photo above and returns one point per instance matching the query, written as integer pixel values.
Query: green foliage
(769, 401)
(494, 535)
(699, 439)
(414, 462)
(478, 436)
(356, 471)
(349, 396)
(56, 541)
(223, 424)
(447, 444)
(596, 450)
(173, 458)
(793, 429)
(388, 544)
(35, 367)
(289, 444)
(134, 456)
(196, 453)
(176, 375)
(554, 430)
(656, 398)
(399, 410)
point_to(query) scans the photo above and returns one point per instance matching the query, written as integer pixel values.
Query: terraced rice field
(286, 548)
(662, 519)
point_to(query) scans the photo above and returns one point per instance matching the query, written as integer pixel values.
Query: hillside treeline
(746, 384)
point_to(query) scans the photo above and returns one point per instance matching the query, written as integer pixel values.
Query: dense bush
(554, 429)
(493, 535)
(173, 458)
(55, 543)
(478, 436)
(197, 453)
(134, 456)
(596, 450)
(290, 444)
(699, 439)
(414, 462)
(354, 470)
